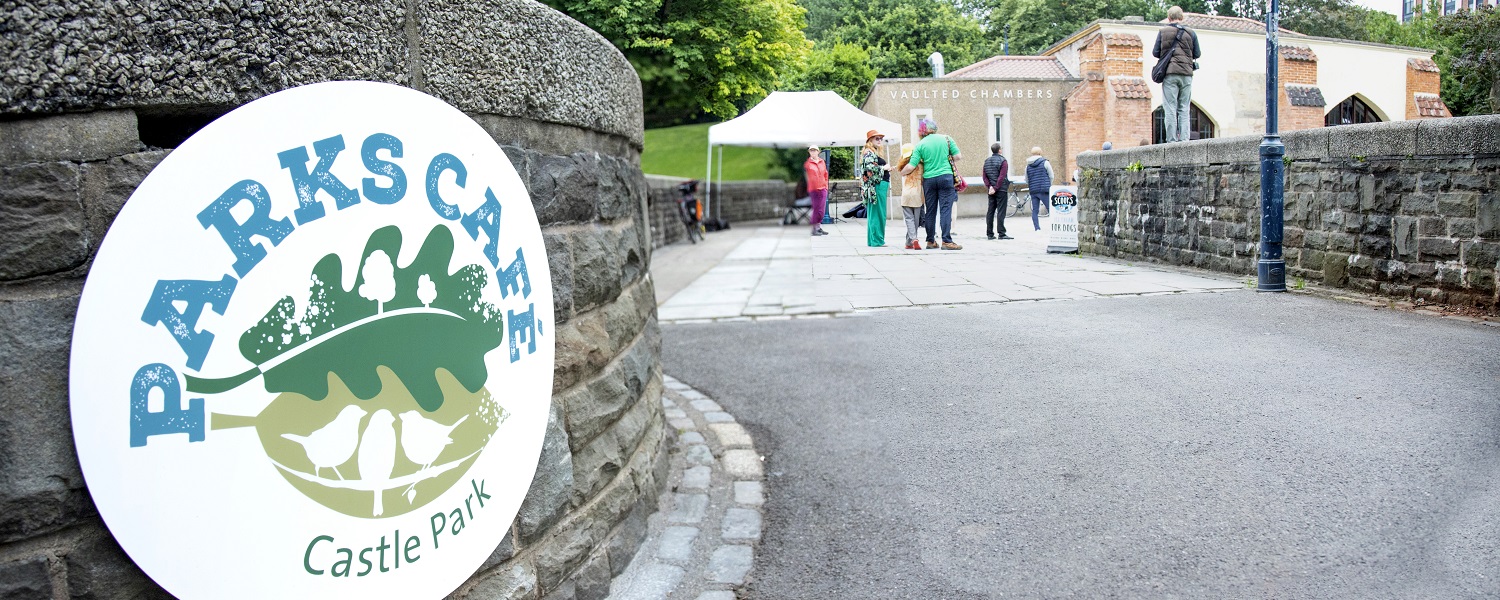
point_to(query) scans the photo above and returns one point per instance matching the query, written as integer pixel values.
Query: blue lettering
(380, 195)
(236, 234)
(514, 278)
(486, 217)
(440, 163)
(172, 418)
(524, 323)
(307, 183)
(183, 325)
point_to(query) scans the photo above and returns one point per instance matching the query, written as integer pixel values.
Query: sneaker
(914, 245)
(952, 246)
(932, 245)
(989, 236)
(1006, 237)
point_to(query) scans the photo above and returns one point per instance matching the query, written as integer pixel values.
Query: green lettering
(438, 522)
(458, 520)
(382, 548)
(364, 561)
(412, 543)
(346, 562)
(307, 556)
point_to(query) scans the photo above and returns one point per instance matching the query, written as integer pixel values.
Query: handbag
(958, 180)
(1159, 72)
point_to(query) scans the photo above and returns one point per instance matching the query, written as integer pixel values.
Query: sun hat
(906, 150)
(872, 133)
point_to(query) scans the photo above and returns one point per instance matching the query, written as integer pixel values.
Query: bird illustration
(424, 439)
(377, 454)
(334, 443)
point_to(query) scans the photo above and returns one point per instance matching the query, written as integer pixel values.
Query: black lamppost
(1271, 269)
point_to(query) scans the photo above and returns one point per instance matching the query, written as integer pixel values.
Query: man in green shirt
(935, 153)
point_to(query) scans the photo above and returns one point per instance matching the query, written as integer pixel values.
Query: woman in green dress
(875, 185)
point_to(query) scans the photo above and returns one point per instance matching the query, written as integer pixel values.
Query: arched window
(1351, 111)
(1200, 127)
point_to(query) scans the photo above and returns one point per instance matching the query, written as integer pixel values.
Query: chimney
(1134, 18)
(936, 60)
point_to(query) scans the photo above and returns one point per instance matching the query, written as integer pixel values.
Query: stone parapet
(737, 202)
(1407, 209)
(562, 104)
(205, 58)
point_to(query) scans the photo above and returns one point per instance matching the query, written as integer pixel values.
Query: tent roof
(796, 119)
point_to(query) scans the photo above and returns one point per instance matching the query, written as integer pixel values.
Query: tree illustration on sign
(426, 292)
(406, 340)
(380, 281)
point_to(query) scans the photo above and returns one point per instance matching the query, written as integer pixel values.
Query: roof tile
(1302, 53)
(1304, 95)
(1430, 105)
(1122, 39)
(1202, 21)
(1014, 67)
(1422, 64)
(1129, 87)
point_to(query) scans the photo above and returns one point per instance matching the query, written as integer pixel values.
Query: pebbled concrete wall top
(513, 58)
(1400, 139)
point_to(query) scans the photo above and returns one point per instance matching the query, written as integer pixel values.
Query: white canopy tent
(795, 120)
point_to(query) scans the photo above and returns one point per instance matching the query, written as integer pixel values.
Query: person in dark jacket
(997, 183)
(1039, 179)
(1181, 45)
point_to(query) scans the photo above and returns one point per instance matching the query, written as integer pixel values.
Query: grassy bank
(680, 152)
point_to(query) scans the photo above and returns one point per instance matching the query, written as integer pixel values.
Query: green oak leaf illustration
(412, 320)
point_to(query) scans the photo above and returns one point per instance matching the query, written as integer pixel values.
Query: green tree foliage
(1473, 50)
(900, 34)
(843, 68)
(699, 56)
(1036, 25)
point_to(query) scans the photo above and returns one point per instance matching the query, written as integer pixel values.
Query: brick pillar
(1300, 102)
(1423, 84)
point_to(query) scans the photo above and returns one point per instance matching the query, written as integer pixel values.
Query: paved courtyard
(775, 271)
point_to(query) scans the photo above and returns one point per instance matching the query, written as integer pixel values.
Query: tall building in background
(1411, 8)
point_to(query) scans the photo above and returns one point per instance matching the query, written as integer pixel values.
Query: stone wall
(735, 201)
(95, 93)
(1408, 209)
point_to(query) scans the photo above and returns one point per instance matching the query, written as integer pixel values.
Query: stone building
(95, 94)
(1097, 88)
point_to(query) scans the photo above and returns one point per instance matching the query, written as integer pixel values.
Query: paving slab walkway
(779, 272)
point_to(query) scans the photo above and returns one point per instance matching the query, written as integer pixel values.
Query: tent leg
(721, 172)
(708, 180)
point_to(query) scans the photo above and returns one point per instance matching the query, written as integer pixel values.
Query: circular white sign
(313, 358)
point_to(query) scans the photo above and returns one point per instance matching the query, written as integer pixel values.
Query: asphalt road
(1229, 445)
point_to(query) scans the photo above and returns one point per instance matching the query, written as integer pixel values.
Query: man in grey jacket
(1177, 87)
(997, 182)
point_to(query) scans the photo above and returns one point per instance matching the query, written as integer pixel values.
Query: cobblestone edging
(701, 543)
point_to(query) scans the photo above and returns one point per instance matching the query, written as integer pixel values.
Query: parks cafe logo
(313, 358)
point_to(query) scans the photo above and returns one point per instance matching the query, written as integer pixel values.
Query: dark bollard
(1271, 269)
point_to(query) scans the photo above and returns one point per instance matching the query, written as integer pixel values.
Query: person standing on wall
(875, 186)
(1180, 47)
(817, 186)
(997, 183)
(935, 154)
(911, 198)
(1038, 182)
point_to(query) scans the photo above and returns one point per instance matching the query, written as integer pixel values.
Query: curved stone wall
(86, 82)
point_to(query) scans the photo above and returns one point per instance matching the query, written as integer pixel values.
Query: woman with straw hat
(875, 185)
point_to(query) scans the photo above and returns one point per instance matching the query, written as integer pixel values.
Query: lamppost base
(1270, 276)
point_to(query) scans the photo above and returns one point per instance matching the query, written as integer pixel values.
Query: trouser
(940, 196)
(819, 206)
(994, 216)
(875, 215)
(1177, 96)
(1038, 199)
(912, 215)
